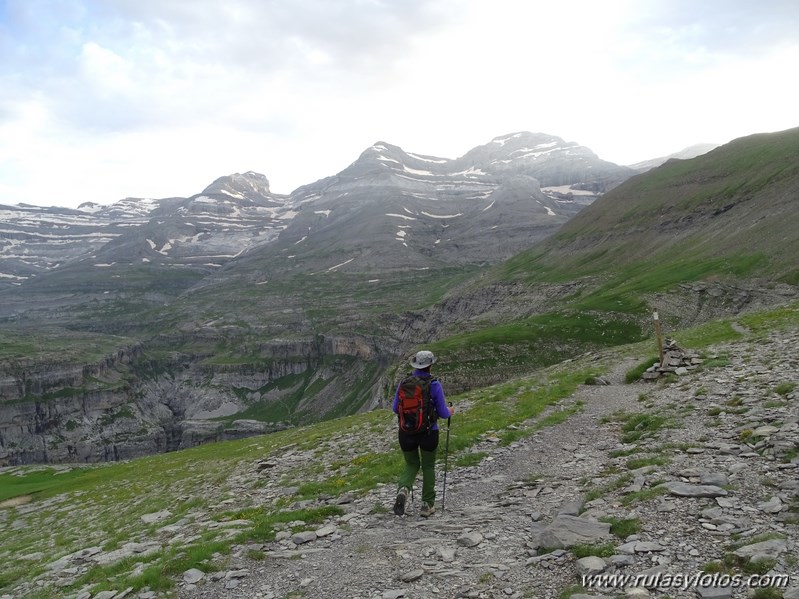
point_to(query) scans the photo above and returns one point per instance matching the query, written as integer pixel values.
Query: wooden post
(659, 336)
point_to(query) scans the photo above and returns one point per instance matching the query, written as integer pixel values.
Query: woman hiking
(419, 447)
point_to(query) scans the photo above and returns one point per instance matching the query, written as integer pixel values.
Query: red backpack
(415, 406)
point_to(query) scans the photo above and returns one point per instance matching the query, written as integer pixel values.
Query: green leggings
(424, 456)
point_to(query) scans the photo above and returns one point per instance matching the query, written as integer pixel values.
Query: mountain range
(151, 325)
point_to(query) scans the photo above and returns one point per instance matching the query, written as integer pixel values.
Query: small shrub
(621, 453)
(256, 554)
(635, 373)
(580, 551)
(759, 567)
(651, 461)
(572, 590)
(645, 494)
(717, 361)
(784, 388)
(714, 567)
(623, 528)
(639, 425)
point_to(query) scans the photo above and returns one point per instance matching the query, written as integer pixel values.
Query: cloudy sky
(106, 99)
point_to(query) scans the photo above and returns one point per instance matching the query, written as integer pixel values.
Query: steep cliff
(148, 399)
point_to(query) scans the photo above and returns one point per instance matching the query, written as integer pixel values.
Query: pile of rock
(675, 361)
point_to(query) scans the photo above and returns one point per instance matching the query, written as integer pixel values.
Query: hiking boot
(399, 504)
(427, 510)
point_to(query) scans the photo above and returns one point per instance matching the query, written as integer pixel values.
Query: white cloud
(159, 98)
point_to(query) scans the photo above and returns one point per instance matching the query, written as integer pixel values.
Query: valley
(237, 311)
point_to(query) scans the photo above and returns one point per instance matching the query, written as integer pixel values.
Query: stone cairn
(675, 361)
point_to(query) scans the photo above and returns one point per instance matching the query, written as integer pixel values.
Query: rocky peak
(381, 159)
(129, 208)
(244, 187)
(547, 158)
(525, 147)
(90, 207)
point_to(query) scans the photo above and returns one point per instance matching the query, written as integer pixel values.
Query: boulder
(568, 531)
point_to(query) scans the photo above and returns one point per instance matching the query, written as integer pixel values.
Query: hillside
(548, 480)
(733, 208)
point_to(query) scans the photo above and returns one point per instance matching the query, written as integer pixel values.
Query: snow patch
(428, 159)
(471, 171)
(325, 212)
(332, 268)
(442, 215)
(567, 189)
(415, 171)
(503, 140)
(400, 216)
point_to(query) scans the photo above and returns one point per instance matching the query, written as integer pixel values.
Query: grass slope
(728, 212)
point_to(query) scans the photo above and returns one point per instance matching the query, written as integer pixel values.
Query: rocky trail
(706, 481)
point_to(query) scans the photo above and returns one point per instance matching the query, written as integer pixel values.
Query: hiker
(419, 448)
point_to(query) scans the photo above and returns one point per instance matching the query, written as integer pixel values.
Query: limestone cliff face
(131, 404)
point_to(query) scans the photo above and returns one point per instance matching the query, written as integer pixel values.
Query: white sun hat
(423, 359)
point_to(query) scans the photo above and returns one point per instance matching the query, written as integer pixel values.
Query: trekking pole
(446, 456)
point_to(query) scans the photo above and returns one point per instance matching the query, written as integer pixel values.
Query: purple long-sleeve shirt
(436, 394)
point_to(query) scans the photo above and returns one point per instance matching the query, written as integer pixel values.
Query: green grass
(634, 374)
(47, 482)
(622, 527)
(614, 485)
(644, 495)
(23, 346)
(784, 388)
(580, 551)
(638, 426)
(509, 350)
(647, 461)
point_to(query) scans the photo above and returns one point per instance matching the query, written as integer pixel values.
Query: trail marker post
(659, 336)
